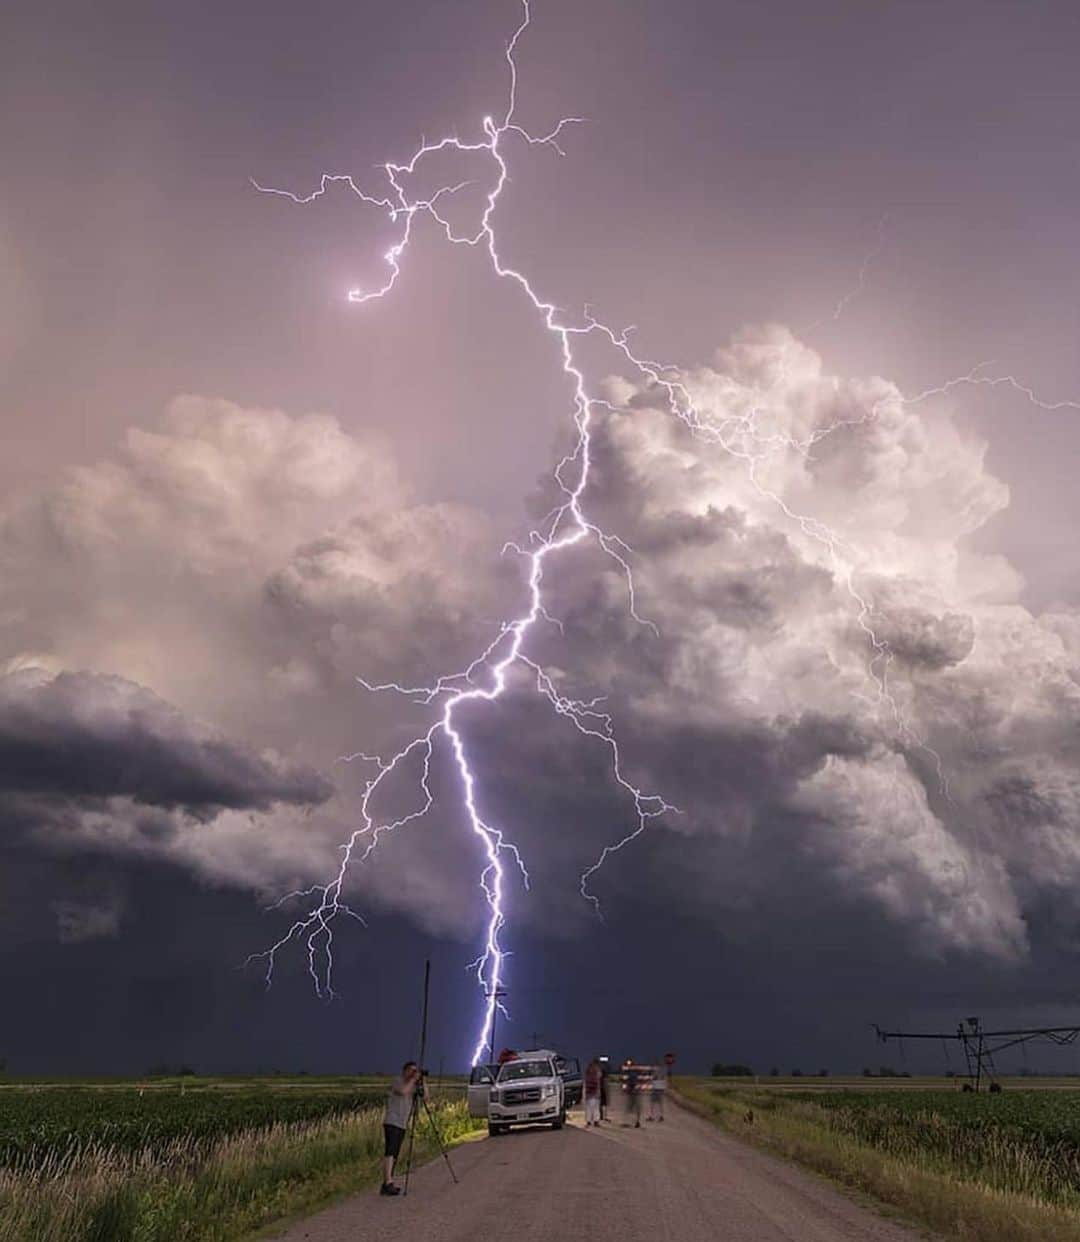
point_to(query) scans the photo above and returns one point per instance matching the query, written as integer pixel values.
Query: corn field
(106, 1165)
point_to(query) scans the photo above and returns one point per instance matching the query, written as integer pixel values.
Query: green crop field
(986, 1166)
(1025, 1142)
(37, 1123)
(191, 1159)
(1050, 1117)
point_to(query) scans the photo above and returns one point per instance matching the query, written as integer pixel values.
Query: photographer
(399, 1105)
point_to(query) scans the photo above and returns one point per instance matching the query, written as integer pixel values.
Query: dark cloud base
(793, 983)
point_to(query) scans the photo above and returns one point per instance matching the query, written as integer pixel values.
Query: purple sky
(204, 590)
(736, 165)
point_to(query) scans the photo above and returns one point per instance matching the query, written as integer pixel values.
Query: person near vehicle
(657, 1087)
(632, 1084)
(594, 1079)
(399, 1106)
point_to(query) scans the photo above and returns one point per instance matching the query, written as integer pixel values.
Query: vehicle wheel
(494, 1131)
(560, 1122)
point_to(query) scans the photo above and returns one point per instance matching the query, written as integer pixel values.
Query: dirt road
(679, 1181)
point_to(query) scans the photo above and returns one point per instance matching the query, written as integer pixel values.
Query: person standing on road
(632, 1084)
(399, 1106)
(603, 1089)
(657, 1087)
(594, 1078)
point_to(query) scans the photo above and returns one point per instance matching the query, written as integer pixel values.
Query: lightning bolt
(565, 527)
(845, 299)
(735, 430)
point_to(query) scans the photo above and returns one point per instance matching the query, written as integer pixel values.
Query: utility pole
(497, 994)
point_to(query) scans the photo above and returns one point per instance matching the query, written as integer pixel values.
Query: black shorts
(395, 1136)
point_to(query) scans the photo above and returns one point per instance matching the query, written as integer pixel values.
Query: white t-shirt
(399, 1104)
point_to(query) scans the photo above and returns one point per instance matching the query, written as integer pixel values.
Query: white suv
(527, 1090)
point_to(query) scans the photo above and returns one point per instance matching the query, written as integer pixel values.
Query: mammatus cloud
(247, 566)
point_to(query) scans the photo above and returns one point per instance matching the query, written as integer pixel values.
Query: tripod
(420, 1097)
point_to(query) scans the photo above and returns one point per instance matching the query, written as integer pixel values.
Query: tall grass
(193, 1189)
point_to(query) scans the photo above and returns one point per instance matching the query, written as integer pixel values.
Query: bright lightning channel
(485, 679)
(565, 527)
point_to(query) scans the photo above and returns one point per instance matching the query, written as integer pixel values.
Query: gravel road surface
(678, 1181)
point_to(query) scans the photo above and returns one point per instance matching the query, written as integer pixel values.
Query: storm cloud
(861, 688)
(875, 706)
(830, 588)
(91, 736)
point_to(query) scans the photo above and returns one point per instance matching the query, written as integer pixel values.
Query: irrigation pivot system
(981, 1046)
